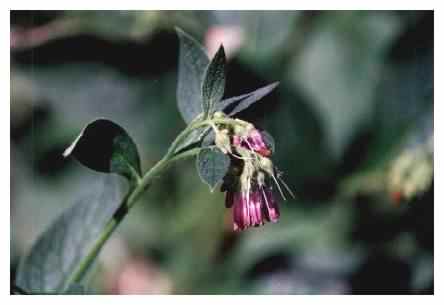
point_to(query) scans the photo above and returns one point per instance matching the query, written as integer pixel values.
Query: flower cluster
(249, 182)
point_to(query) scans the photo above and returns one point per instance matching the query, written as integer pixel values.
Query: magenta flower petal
(237, 141)
(258, 143)
(272, 206)
(259, 214)
(254, 141)
(238, 214)
(255, 209)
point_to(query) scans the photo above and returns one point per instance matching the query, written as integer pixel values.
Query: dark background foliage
(356, 94)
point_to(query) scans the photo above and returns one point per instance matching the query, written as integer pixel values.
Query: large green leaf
(192, 64)
(213, 85)
(106, 147)
(60, 249)
(212, 166)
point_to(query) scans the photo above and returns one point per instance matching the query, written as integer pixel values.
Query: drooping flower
(250, 197)
(252, 209)
(248, 184)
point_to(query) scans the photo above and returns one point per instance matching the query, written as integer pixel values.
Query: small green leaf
(242, 102)
(213, 85)
(106, 147)
(192, 64)
(212, 166)
(194, 137)
(231, 101)
(58, 251)
(208, 139)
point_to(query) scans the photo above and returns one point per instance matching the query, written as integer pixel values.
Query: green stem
(127, 203)
(139, 188)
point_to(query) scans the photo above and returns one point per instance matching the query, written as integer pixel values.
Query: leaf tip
(221, 50)
(68, 151)
(220, 56)
(274, 85)
(71, 147)
(178, 30)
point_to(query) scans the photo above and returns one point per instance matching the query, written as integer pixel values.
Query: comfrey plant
(230, 152)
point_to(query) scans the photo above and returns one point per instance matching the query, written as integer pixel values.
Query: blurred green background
(353, 124)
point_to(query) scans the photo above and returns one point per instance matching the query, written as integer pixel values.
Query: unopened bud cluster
(411, 174)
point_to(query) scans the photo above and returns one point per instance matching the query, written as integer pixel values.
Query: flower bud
(239, 130)
(411, 174)
(219, 115)
(222, 141)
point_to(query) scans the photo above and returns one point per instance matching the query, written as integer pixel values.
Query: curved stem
(139, 188)
(190, 128)
(127, 203)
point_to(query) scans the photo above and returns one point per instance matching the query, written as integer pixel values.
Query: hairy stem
(138, 189)
(128, 202)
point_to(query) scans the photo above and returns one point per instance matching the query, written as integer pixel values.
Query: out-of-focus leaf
(192, 64)
(214, 82)
(339, 69)
(18, 290)
(212, 166)
(296, 230)
(59, 250)
(116, 24)
(246, 100)
(265, 32)
(75, 288)
(106, 147)
(403, 123)
(404, 101)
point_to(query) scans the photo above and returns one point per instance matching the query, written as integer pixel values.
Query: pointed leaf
(212, 166)
(59, 250)
(194, 137)
(231, 101)
(106, 147)
(192, 64)
(246, 100)
(213, 85)
(209, 138)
